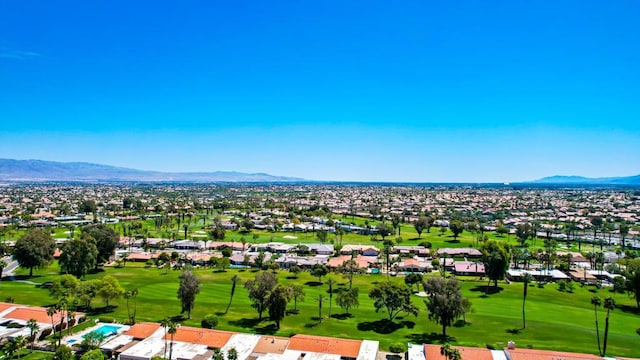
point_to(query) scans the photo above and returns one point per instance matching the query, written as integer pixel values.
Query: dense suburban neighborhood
(352, 247)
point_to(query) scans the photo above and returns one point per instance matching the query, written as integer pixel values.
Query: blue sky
(459, 91)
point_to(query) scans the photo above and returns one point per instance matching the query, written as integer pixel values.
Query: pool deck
(76, 339)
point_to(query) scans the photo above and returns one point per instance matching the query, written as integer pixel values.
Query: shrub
(397, 348)
(63, 353)
(562, 285)
(106, 319)
(570, 286)
(46, 332)
(209, 321)
(426, 244)
(490, 347)
(82, 319)
(93, 355)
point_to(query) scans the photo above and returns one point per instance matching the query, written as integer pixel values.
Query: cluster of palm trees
(12, 348)
(171, 328)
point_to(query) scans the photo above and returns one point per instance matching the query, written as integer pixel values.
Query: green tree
(295, 270)
(384, 230)
(33, 327)
(187, 291)
(632, 284)
(232, 354)
(420, 225)
(609, 304)
(322, 235)
(597, 302)
(259, 290)
(393, 298)
(319, 271)
(78, 256)
(172, 330)
(109, 289)
(624, 232)
(526, 278)
(63, 353)
(495, 259)
(277, 303)
(413, 279)
(396, 219)
(132, 295)
(34, 249)
(234, 281)
(523, 233)
(331, 283)
(596, 224)
(456, 227)
(347, 299)
(450, 353)
(87, 290)
(297, 292)
(445, 302)
(64, 286)
(106, 240)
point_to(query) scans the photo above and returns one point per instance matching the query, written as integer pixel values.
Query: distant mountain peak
(573, 179)
(41, 170)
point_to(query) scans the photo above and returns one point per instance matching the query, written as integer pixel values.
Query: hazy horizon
(471, 92)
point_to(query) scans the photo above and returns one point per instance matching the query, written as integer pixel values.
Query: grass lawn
(555, 320)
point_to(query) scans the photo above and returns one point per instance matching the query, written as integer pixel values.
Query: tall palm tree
(173, 329)
(234, 280)
(624, 231)
(609, 304)
(527, 279)
(33, 326)
(51, 312)
(165, 324)
(597, 302)
(330, 282)
(3, 264)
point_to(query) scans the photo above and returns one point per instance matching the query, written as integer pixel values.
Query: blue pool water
(106, 330)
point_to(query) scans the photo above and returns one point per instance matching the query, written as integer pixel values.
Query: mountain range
(39, 170)
(579, 180)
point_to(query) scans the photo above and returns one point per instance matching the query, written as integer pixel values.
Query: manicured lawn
(555, 320)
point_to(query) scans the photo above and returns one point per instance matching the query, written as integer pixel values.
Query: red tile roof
(432, 352)
(210, 338)
(327, 345)
(271, 345)
(142, 330)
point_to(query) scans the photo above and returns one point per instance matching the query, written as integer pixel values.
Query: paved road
(10, 268)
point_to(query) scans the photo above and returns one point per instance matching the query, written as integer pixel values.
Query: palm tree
(597, 302)
(173, 329)
(51, 312)
(330, 282)
(33, 326)
(3, 264)
(165, 324)
(234, 280)
(624, 231)
(609, 304)
(527, 279)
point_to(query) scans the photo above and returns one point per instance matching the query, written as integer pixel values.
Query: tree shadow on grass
(514, 331)
(267, 330)
(100, 310)
(431, 338)
(629, 309)
(490, 290)
(384, 326)
(313, 283)
(292, 277)
(452, 241)
(342, 316)
(245, 322)
(461, 323)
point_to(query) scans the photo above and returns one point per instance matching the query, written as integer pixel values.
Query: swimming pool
(105, 330)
